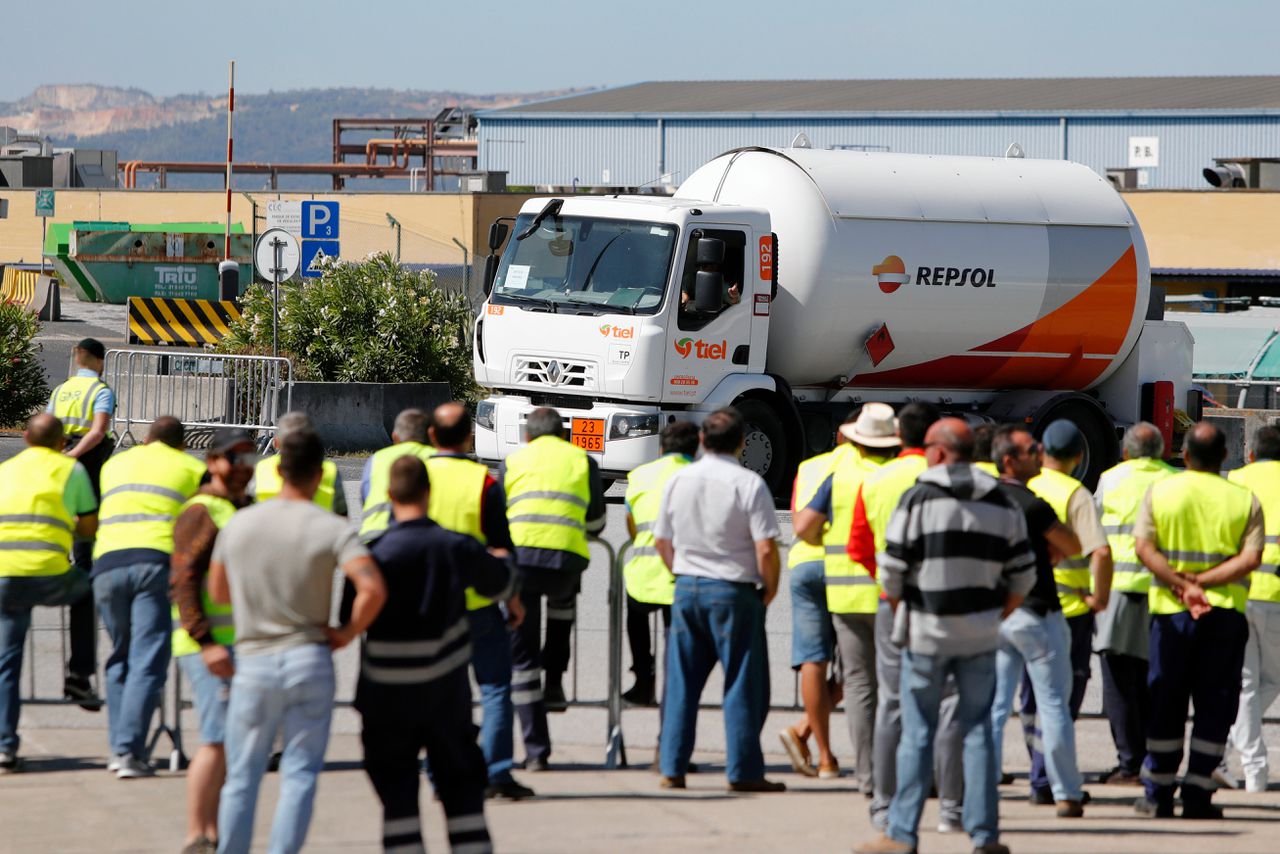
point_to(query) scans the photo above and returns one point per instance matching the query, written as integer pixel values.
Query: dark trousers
(442, 726)
(1081, 629)
(562, 611)
(1125, 703)
(1196, 661)
(527, 655)
(82, 625)
(639, 637)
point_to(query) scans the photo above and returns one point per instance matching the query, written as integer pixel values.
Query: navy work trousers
(1196, 661)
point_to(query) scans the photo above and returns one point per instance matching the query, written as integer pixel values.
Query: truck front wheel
(765, 452)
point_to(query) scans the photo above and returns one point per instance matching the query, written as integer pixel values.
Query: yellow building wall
(430, 222)
(1210, 229)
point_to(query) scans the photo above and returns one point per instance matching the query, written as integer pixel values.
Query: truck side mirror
(490, 271)
(497, 234)
(708, 292)
(710, 251)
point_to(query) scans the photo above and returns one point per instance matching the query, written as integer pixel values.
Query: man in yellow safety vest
(1261, 676)
(142, 491)
(85, 405)
(266, 477)
(465, 498)
(1123, 637)
(46, 499)
(650, 585)
(853, 597)
(203, 631)
(1083, 580)
(1200, 535)
(554, 498)
(408, 436)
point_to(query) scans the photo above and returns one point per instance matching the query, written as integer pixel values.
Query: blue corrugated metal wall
(560, 150)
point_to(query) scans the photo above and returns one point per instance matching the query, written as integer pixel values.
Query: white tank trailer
(796, 284)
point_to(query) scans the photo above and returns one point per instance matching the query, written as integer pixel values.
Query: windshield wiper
(550, 305)
(551, 208)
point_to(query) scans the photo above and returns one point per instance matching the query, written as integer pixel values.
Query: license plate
(587, 433)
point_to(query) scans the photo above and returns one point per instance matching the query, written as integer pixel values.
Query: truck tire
(766, 444)
(1102, 448)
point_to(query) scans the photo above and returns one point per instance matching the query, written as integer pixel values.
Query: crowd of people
(938, 570)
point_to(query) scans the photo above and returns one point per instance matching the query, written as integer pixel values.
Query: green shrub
(22, 385)
(370, 321)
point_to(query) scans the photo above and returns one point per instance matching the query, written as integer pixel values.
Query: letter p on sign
(320, 220)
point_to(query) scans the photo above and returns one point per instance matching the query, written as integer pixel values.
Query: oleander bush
(366, 321)
(22, 385)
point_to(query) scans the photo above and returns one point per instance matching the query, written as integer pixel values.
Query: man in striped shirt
(956, 562)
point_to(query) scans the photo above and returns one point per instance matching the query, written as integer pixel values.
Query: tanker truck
(797, 283)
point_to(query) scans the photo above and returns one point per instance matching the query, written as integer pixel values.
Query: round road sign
(276, 255)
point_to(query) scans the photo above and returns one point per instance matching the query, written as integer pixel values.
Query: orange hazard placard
(766, 258)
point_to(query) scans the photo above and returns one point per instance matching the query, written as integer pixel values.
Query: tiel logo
(684, 347)
(604, 330)
(891, 273)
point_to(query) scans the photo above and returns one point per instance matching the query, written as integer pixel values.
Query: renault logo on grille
(554, 372)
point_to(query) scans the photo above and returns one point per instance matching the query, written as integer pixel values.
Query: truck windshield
(586, 265)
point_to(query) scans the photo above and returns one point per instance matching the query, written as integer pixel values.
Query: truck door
(703, 348)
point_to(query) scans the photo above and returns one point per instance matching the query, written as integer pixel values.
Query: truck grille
(555, 372)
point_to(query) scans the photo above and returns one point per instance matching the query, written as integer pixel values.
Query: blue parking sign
(319, 221)
(314, 254)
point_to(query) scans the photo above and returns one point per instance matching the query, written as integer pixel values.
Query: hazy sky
(179, 46)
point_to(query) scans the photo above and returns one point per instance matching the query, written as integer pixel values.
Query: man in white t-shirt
(717, 531)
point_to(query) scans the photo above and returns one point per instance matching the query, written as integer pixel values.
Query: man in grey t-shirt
(717, 531)
(274, 562)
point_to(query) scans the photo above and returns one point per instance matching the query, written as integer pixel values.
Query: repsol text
(958, 277)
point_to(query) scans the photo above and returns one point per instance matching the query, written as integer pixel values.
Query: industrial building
(1148, 132)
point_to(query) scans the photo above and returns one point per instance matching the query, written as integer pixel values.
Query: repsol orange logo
(891, 274)
(701, 349)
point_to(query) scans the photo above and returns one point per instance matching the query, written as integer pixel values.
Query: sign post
(275, 258)
(44, 210)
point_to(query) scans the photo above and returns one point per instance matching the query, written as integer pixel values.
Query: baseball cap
(227, 439)
(1062, 439)
(93, 347)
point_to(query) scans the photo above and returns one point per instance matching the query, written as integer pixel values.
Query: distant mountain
(281, 127)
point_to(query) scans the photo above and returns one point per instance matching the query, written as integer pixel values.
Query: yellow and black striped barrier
(181, 322)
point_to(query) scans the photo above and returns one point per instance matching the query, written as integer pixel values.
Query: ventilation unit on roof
(1244, 173)
(1123, 179)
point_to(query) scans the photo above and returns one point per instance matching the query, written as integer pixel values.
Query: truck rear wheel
(1102, 448)
(765, 452)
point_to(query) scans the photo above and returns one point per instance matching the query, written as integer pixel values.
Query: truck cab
(623, 313)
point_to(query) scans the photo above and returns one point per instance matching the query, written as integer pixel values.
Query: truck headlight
(484, 414)
(633, 426)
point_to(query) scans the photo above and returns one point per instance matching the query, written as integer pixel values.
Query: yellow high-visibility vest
(267, 482)
(1263, 478)
(376, 513)
(850, 587)
(142, 491)
(455, 501)
(809, 477)
(1072, 573)
(73, 404)
(989, 468)
(221, 625)
(883, 489)
(35, 528)
(1200, 518)
(548, 486)
(1126, 486)
(647, 577)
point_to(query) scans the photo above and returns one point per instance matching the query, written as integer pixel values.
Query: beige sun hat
(876, 427)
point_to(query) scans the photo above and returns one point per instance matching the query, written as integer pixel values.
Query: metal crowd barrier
(202, 389)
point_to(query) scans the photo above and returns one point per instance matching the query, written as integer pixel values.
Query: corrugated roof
(960, 95)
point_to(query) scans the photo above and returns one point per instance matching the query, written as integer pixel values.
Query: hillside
(282, 127)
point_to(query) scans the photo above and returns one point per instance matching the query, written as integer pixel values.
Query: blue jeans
(491, 661)
(18, 595)
(812, 635)
(716, 621)
(292, 688)
(1044, 645)
(134, 603)
(212, 696)
(924, 681)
